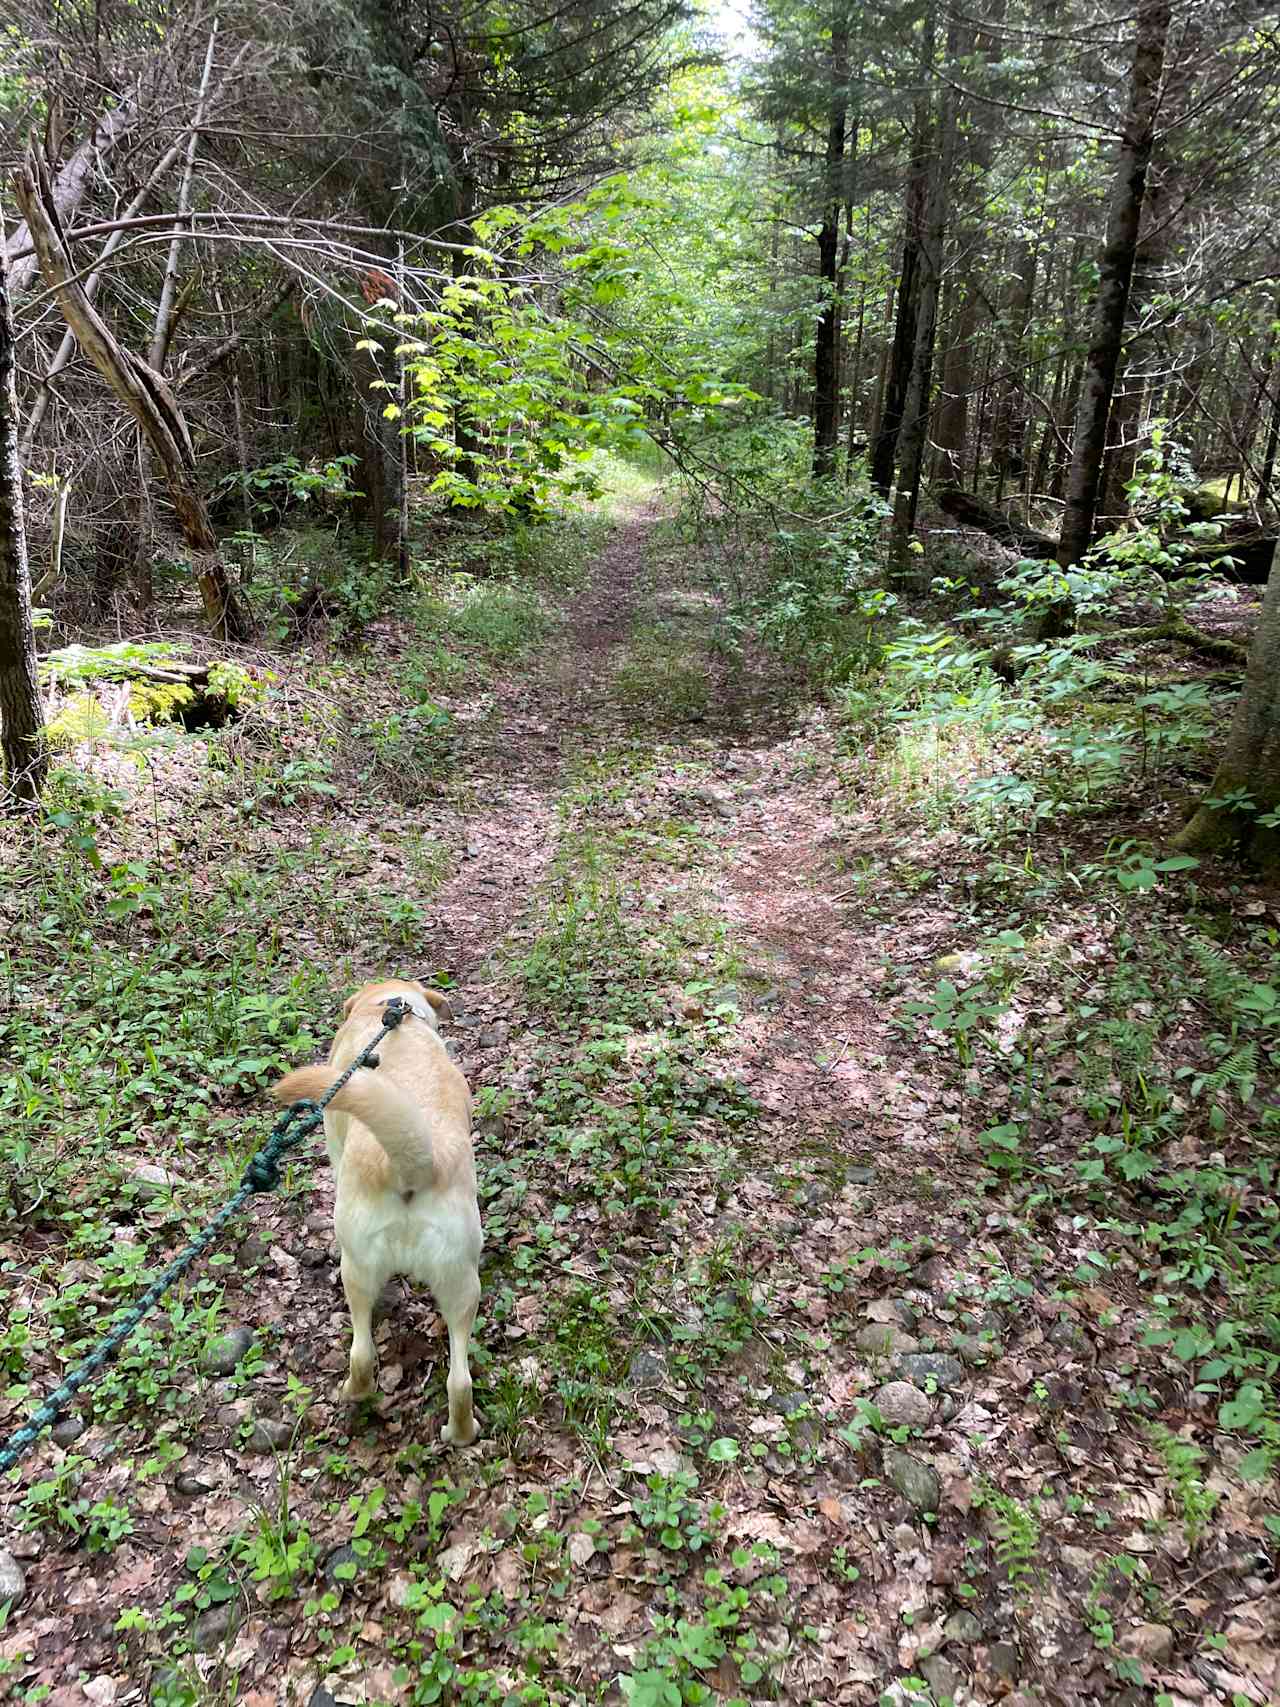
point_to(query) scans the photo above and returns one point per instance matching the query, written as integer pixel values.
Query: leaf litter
(684, 1490)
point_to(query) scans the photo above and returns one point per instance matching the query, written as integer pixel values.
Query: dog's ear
(439, 1001)
(349, 1004)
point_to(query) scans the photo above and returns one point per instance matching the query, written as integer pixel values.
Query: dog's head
(431, 1005)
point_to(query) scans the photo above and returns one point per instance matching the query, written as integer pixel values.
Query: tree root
(1179, 629)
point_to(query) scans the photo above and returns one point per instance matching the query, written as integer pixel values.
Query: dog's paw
(352, 1391)
(452, 1437)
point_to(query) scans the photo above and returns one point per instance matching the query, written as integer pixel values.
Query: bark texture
(1250, 766)
(22, 737)
(67, 190)
(826, 359)
(884, 450)
(918, 400)
(1115, 279)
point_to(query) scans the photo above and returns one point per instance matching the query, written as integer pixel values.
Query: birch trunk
(166, 318)
(68, 189)
(22, 736)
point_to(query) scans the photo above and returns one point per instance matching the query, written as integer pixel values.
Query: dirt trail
(544, 711)
(785, 1412)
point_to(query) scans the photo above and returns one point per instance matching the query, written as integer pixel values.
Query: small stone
(1002, 1657)
(902, 1405)
(492, 1126)
(893, 1311)
(313, 1256)
(859, 1176)
(491, 1036)
(974, 1350)
(152, 1181)
(253, 1250)
(67, 1432)
(935, 1273)
(1061, 1393)
(225, 1354)
(216, 1626)
(1152, 1642)
(946, 1371)
(97, 1447)
(948, 1406)
(962, 1627)
(190, 1486)
(787, 1404)
(1068, 1335)
(941, 1676)
(13, 1583)
(917, 1483)
(715, 802)
(269, 1435)
(879, 1339)
(646, 1369)
(981, 1322)
(320, 1697)
(338, 1556)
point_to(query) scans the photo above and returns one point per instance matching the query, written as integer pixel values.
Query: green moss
(158, 702)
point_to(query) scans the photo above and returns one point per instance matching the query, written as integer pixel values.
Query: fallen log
(974, 512)
(1250, 547)
(1183, 633)
(168, 691)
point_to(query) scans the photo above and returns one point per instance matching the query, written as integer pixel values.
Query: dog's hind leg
(458, 1302)
(362, 1291)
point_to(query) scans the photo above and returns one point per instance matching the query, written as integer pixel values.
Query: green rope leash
(261, 1174)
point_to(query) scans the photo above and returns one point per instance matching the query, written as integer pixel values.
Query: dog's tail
(398, 1122)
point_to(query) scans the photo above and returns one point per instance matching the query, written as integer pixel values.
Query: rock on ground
(902, 1405)
(13, 1583)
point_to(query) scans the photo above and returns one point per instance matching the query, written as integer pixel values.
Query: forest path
(781, 1400)
(648, 801)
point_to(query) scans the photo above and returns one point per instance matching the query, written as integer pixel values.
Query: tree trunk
(68, 189)
(884, 452)
(1008, 426)
(146, 396)
(1272, 395)
(1250, 767)
(1114, 280)
(166, 319)
(916, 405)
(951, 430)
(22, 737)
(826, 357)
